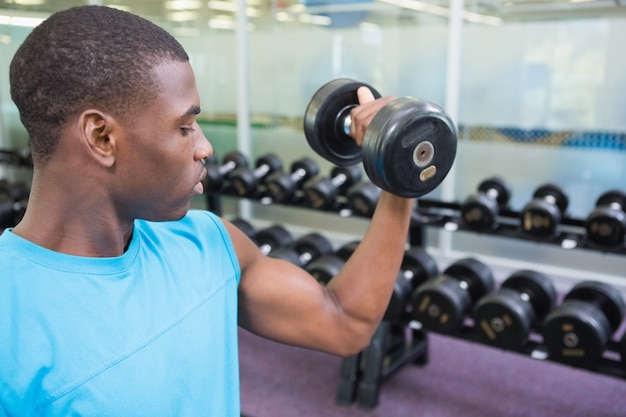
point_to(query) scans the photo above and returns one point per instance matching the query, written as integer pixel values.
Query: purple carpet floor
(461, 379)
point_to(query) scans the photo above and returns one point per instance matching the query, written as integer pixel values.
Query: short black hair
(86, 56)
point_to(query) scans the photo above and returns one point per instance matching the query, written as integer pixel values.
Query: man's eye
(187, 130)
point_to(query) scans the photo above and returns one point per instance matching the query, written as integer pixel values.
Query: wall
(547, 76)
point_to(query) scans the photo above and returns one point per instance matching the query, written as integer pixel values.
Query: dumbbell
(214, 180)
(409, 145)
(417, 267)
(480, 211)
(245, 226)
(327, 266)
(304, 250)
(363, 198)
(246, 182)
(577, 331)
(541, 216)
(282, 187)
(321, 193)
(272, 237)
(442, 304)
(13, 202)
(504, 318)
(606, 225)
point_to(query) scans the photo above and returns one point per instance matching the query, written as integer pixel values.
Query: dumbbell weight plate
(539, 289)
(606, 225)
(577, 332)
(345, 251)
(409, 147)
(439, 304)
(502, 321)
(245, 226)
(363, 198)
(417, 267)
(314, 244)
(608, 298)
(273, 237)
(286, 254)
(475, 273)
(324, 117)
(613, 196)
(325, 268)
(556, 192)
(504, 318)
(500, 186)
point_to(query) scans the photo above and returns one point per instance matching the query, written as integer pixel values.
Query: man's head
(84, 57)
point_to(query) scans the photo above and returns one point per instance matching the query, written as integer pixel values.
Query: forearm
(363, 287)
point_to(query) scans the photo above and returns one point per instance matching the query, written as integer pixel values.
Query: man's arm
(282, 302)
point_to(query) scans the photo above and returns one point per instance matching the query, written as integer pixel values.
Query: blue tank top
(150, 333)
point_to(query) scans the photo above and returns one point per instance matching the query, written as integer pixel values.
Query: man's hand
(363, 114)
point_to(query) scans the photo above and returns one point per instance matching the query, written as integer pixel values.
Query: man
(115, 299)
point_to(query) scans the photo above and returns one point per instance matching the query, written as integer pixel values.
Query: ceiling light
(20, 21)
(225, 6)
(183, 4)
(182, 16)
(29, 2)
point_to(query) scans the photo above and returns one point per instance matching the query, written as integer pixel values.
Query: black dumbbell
(505, 318)
(409, 145)
(272, 237)
(327, 266)
(282, 187)
(417, 267)
(577, 331)
(245, 226)
(480, 211)
(322, 193)
(13, 202)
(216, 174)
(245, 181)
(606, 225)
(304, 250)
(363, 198)
(442, 304)
(541, 216)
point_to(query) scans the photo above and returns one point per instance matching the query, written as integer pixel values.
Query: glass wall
(541, 98)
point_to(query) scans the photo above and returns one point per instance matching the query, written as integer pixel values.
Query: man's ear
(98, 134)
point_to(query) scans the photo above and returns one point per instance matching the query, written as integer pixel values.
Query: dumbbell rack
(448, 215)
(395, 345)
(572, 233)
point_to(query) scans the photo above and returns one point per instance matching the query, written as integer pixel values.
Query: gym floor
(461, 379)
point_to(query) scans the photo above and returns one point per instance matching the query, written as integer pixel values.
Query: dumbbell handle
(298, 174)
(549, 198)
(265, 248)
(339, 179)
(227, 167)
(347, 122)
(492, 193)
(261, 170)
(305, 257)
(615, 206)
(407, 273)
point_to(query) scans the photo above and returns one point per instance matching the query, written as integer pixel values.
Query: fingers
(364, 95)
(363, 114)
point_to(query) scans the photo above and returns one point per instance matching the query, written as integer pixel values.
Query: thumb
(365, 95)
